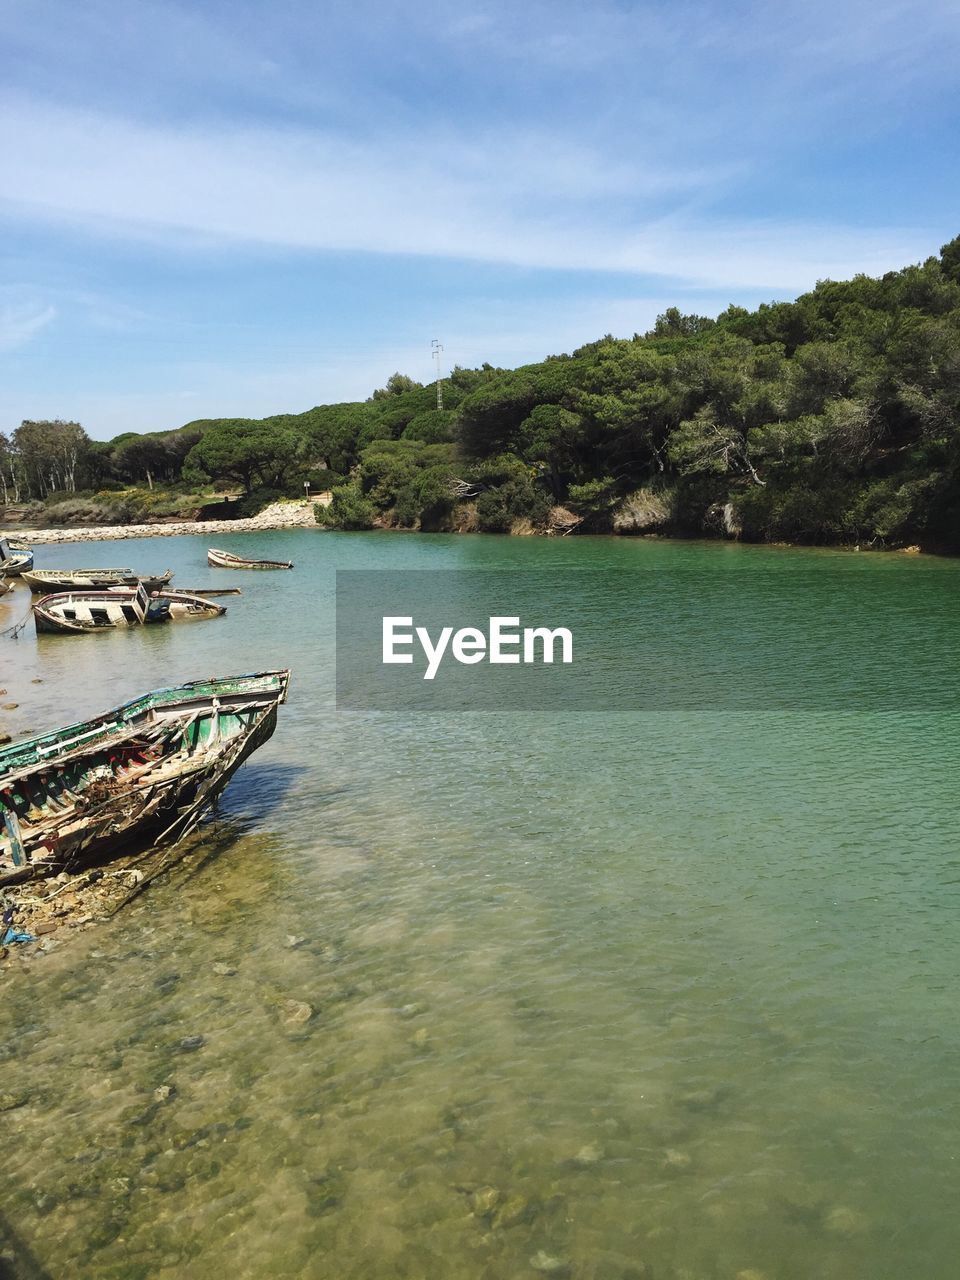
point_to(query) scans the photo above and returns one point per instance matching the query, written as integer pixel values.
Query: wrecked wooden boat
(14, 558)
(76, 612)
(224, 560)
(44, 581)
(141, 774)
(4, 585)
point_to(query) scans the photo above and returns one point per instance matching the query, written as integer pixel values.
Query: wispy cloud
(516, 178)
(514, 198)
(22, 318)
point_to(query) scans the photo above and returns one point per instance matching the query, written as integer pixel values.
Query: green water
(662, 994)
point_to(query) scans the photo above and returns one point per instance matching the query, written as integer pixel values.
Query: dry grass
(643, 511)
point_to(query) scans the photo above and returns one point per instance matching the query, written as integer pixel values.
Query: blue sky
(238, 208)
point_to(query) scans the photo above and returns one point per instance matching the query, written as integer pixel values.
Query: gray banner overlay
(744, 640)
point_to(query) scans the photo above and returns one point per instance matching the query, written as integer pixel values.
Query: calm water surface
(663, 994)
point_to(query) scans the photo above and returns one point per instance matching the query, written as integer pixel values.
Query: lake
(660, 991)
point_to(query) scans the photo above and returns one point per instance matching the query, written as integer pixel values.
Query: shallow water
(631, 994)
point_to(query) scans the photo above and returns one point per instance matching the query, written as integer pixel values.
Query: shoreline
(279, 515)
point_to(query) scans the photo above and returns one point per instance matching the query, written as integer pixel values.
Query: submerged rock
(189, 1044)
(513, 1212)
(45, 1203)
(296, 1012)
(223, 970)
(325, 1192)
(549, 1265)
(587, 1156)
(10, 1101)
(484, 1200)
(703, 1099)
(675, 1159)
(841, 1220)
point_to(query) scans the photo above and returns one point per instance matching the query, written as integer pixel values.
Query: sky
(216, 209)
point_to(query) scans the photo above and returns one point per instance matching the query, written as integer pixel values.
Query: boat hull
(143, 773)
(14, 558)
(225, 560)
(82, 612)
(47, 581)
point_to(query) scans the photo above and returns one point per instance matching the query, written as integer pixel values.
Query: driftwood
(465, 488)
(561, 522)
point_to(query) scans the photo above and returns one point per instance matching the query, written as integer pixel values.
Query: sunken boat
(45, 581)
(14, 558)
(140, 775)
(225, 560)
(80, 612)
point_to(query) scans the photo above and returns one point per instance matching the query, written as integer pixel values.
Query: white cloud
(518, 198)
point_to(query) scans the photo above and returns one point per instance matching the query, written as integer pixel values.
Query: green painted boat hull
(143, 772)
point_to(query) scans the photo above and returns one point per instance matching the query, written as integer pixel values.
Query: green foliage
(411, 479)
(252, 503)
(44, 457)
(672, 324)
(434, 426)
(950, 260)
(799, 513)
(835, 417)
(594, 498)
(397, 385)
(322, 478)
(243, 451)
(349, 509)
(498, 508)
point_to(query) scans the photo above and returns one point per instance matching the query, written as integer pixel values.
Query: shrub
(349, 509)
(77, 510)
(517, 499)
(433, 427)
(642, 511)
(252, 503)
(322, 478)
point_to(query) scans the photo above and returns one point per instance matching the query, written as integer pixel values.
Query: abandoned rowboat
(43, 581)
(74, 612)
(142, 773)
(14, 558)
(224, 560)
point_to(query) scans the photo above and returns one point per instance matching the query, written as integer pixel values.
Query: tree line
(832, 418)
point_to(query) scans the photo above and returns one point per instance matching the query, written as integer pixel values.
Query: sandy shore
(280, 515)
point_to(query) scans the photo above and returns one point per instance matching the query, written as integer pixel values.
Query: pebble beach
(279, 515)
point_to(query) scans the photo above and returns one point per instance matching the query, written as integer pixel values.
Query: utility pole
(436, 348)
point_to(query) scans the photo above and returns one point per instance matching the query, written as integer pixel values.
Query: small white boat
(74, 612)
(48, 580)
(224, 560)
